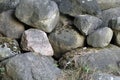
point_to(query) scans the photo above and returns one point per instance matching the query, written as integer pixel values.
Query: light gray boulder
(41, 14)
(87, 23)
(100, 38)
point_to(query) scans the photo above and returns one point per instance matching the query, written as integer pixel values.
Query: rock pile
(76, 33)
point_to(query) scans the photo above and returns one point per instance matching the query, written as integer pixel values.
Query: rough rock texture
(105, 60)
(117, 37)
(114, 23)
(76, 7)
(104, 76)
(87, 24)
(32, 67)
(37, 41)
(42, 14)
(8, 4)
(107, 15)
(9, 26)
(100, 38)
(64, 39)
(107, 4)
(8, 47)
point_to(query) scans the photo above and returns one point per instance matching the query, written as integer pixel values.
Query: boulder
(9, 26)
(41, 14)
(108, 14)
(8, 48)
(100, 38)
(87, 23)
(29, 66)
(108, 4)
(8, 4)
(64, 39)
(77, 7)
(93, 59)
(37, 41)
(117, 37)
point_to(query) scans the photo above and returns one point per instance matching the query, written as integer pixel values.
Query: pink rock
(36, 41)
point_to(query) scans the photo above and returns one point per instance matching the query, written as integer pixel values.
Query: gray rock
(94, 59)
(8, 47)
(9, 26)
(8, 4)
(100, 38)
(104, 76)
(41, 14)
(64, 39)
(87, 24)
(37, 41)
(114, 23)
(29, 66)
(76, 7)
(108, 4)
(107, 15)
(117, 37)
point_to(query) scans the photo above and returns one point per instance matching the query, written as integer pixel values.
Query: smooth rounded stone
(93, 59)
(41, 14)
(64, 39)
(100, 38)
(8, 47)
(104, 76)
(36, 41)
(107, 4)
(8, 4)
(9, 26)
(117, 37)
(87, 23)
(114, 23)
(107, 15)
(29, 66)
(77, 7)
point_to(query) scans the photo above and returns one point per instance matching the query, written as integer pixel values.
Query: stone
(29, 66)
(36, 41)
(117, 37)
(100, 38)
(64, 39)
(114, 23)
(94, 59)
(104, 76)
(8, 4)
(9, 26)
(8, 48)
(77, 7)
(41, 14)
(108, 4)
(108, 14)
(87, 23)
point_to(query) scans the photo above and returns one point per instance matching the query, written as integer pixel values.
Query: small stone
(100, 38)
(36, 41)
(87, 24)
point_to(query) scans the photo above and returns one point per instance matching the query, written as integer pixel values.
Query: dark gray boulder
(41, 14)
(87, 23)
(29, 66)
(100, 38)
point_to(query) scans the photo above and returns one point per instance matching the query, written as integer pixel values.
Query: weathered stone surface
(37, 41)
(100, 38)
(87, 24)
(104, 76)
(41, 14)
(76, 7)
(114, 23)
(64, 39)
(9, 26)
(117, 37)
(105, 60)
(8, 4)
(107, 4)
(107, 15)
(29, 66)
(8, 47)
